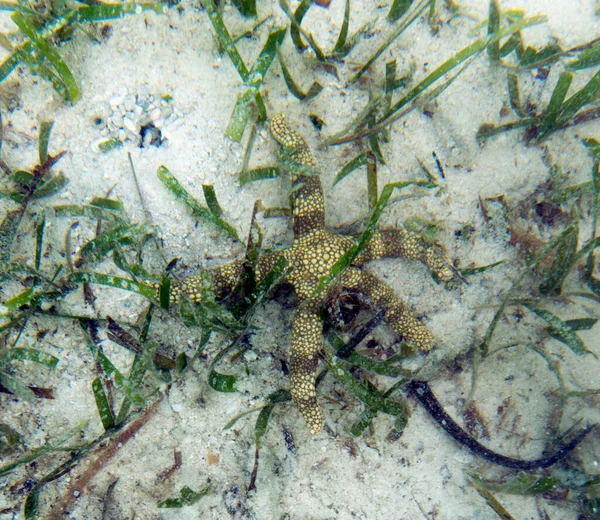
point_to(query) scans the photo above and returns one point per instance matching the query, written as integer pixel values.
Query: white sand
(421, 475)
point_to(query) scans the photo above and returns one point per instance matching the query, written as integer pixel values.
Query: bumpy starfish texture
(313, 252)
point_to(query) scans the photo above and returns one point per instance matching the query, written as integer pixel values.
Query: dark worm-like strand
(421, 392)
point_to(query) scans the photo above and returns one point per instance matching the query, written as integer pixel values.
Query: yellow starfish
(312, 254)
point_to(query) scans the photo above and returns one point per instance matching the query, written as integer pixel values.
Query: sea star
(313, 252)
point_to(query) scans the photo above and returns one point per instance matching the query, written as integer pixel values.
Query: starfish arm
(221, 280)
(194, 288)
(267, 262)
(396, 243)
(307, 340)
(308, 203)
(378, 295)
(225, 277)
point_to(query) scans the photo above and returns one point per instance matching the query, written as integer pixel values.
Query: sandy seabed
(166, 69)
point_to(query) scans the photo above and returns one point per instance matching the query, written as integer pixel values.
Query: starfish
(313, 252)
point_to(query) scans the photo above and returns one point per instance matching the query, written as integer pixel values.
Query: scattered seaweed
(562, 111)
(212, 213)
(121, 395)
(42, 31)
(187, 497)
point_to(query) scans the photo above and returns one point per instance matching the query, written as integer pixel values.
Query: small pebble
(124, 114)
(116, 101)
(171, 119)
(129, 103)
(144, 120)
(96, 143)
(129, 125)
(250, 355)
(155, 114)
(133, 136)
(112, 126)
